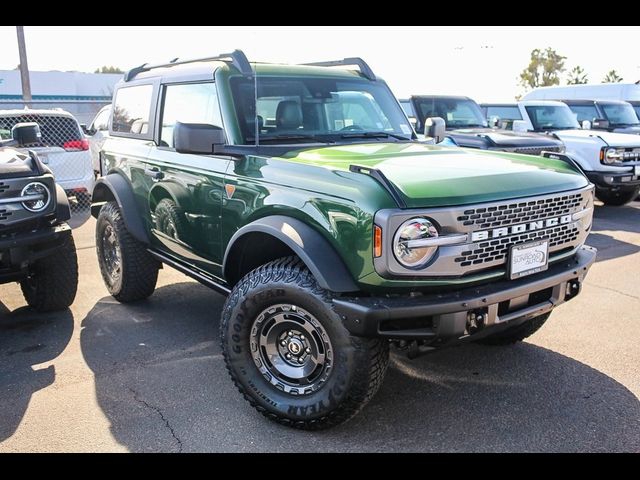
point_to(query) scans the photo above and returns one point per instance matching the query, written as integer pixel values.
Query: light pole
(24, 67)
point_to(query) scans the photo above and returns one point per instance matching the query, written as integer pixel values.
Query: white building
(81, 94)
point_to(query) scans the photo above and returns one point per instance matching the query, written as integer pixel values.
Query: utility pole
(24, 67)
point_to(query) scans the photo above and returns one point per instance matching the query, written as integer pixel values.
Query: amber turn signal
(377, 241)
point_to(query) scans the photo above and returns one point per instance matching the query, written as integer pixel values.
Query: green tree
(545, 67)
(108, 69)
(612, 77)
(577, 76)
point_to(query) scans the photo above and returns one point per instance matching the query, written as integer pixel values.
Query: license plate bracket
(528, 258)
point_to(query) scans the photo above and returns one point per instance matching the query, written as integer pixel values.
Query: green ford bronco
(301, 193)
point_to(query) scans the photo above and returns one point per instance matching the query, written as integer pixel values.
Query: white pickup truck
(610, 160)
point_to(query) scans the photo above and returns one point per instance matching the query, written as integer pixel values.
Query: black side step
(200, 277)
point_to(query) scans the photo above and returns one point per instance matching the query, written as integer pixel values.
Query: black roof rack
(237, 57)
(360, 63)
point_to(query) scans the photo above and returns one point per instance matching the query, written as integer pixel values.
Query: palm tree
(577, 76)
(612, 77)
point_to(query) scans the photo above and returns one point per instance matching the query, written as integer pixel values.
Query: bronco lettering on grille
(524, 227)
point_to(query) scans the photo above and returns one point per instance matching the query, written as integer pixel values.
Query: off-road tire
(617, 198)
(517, 333)
(53, 281)
(359, 363)
(170, 219)
(138, 271)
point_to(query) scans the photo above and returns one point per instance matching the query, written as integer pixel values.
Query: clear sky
(481, 62)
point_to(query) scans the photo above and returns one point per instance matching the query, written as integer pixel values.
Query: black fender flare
(63, 211)
(307, 243)
(115, 186)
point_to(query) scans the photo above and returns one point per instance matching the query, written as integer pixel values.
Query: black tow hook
(416, 350)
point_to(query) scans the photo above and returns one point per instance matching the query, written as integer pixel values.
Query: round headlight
(38, 197)
(611, 155)
(407, 246)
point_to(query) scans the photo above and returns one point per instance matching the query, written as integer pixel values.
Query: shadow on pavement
(161, 381)
(625, 219)
(27, 338)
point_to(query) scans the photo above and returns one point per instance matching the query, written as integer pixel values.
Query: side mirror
(26, 133)
(586, 125)
(600, 123)
(413, 121)
(494, 122)
(435, 128)
(519, 126)
(198, 138)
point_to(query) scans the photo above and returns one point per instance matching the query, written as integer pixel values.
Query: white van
(629, 92)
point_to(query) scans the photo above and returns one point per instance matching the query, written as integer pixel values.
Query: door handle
(153, 172)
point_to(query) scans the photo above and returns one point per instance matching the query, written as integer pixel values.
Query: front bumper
(441, 318)
(614, 181)
(19, 251)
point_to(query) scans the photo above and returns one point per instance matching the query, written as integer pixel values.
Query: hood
(609, 138)
(632, 130)
(487, 138)
(16, 164)
(431, 175)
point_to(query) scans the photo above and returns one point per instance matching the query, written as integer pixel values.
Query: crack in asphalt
(162, 417)
(613, 290)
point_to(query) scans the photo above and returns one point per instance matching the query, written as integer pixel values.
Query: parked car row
(600, 135)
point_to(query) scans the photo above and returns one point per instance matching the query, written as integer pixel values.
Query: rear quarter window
(132, 110)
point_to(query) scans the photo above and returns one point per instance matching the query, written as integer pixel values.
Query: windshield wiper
(374, 135)
(290, 137)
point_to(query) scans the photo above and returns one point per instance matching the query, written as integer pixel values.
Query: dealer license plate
(636, 170)
(529, 258)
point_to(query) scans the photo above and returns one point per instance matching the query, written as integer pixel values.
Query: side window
(188, 103)
(101, 122)
(132, 110)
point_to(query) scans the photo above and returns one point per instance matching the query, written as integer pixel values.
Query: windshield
(504, 112)
(585, 112)
(311, 109)
(551, 117)
(623, 114)
(637, 110)
(456, 112)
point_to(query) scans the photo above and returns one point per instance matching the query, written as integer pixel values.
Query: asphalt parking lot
(150, 376)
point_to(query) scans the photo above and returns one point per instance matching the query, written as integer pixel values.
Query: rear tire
(619, 197)
(289, 353)
(53, 281)
(517, 333)
(129, 271)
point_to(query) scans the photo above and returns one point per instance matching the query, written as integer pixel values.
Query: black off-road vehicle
(36, 245)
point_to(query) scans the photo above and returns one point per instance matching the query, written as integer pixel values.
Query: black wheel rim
(291, 349)
(111, 254)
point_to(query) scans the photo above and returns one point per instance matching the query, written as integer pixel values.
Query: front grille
(493, 250)
(505, 223)
(537, 150)
(3, 187)
(521, 212)
(4, 214)
(56, 130)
